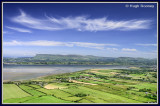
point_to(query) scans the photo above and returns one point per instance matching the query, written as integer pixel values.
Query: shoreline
(42, 76)
(65, 64)
(50, 74)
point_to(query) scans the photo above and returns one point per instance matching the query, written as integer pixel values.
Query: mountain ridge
(79, 59)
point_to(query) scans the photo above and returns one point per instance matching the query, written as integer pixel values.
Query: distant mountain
(79, 59)
(70, 57)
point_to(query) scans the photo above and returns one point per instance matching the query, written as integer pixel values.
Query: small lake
(25, 72)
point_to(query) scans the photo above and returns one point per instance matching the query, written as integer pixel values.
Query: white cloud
(93, 45)
(36, 43)
(128, 50)
(80, 23)
(55, 43)
(35, 23)
(112, 49)
(19, 29)
(147, 44)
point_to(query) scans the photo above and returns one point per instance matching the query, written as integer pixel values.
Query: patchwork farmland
(88, 86)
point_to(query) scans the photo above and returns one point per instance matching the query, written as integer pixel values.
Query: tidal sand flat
(23, 72)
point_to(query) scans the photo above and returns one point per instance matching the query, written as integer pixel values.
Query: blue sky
(100, 29)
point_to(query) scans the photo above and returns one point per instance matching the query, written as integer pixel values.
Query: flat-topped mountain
(79, 59)
(70, 57)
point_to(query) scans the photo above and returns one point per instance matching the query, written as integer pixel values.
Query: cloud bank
(128, 50)
(55, 43)
(79, 23)
(147, 44)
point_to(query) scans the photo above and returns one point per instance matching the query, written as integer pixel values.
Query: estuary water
(25, 72)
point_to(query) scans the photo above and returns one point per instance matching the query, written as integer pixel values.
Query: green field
(135, 85)
(47, 99)
(13, 91)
